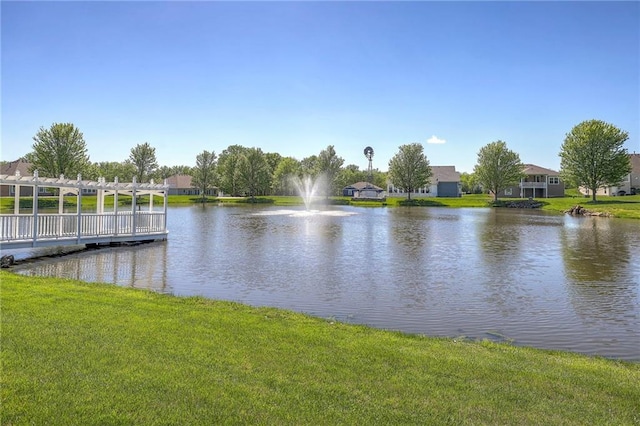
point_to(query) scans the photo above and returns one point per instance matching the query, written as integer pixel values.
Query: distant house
(630, 184)
(363, 190)
(23, 168)
(444, 182)
(181, 185)
(10, 168)
(538, 182)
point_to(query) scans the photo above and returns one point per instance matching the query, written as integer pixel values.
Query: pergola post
(151, 196)
(115, 206)
(60, 208)
(35, 206)
(16, 199)
(165, 195)
(134, 221)
(79, 209)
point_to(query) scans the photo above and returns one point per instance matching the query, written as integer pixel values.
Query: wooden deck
(121, 224)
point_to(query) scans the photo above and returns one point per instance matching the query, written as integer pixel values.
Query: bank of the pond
(78, 353)
(620, 207)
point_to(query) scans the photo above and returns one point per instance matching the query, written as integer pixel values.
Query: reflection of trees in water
(500, 244)
(502, 268)
(601, 275)
(409, 255)
(411, 236)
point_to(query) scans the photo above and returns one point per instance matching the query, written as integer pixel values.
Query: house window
(554, 180)
(508, 191)
(42, 190)
(12, 189)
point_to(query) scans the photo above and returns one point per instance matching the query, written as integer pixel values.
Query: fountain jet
(308, 187)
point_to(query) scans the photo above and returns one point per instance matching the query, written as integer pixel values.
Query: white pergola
(36, 229)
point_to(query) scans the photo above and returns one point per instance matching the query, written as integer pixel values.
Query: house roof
(532, 169)
(179, 181)
(361, 185)
(635, 163)
(18, 165)
(444, 174)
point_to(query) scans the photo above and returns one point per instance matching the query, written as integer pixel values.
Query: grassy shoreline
(79, 353)
(619, 207)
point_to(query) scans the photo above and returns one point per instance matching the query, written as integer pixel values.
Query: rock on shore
(578, 210)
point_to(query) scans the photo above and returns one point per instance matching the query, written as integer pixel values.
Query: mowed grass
(78, 353)
(621, 207)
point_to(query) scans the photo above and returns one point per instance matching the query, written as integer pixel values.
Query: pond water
(528, 277)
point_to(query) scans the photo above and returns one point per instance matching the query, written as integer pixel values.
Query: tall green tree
(180, 170)
(228, 161)
(254, 174)
(409, 169)
(309, 166)
(124, 171)
(273, 158)
(593, 156)
(59, 150)
(497, 168)
(469, 183)
(282, 183)
(204, 173)
(329, 164)
(349, 175)
(143, 157)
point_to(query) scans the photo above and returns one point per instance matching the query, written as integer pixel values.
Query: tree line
(592, 155)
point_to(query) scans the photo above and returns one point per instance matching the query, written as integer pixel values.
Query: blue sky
(295, 77)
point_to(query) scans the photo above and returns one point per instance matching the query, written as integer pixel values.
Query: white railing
(533, 184)
(65, 226)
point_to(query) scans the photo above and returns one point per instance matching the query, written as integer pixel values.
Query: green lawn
(624, 207)
(78, 353)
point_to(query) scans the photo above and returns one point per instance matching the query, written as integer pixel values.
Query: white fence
(68, 228)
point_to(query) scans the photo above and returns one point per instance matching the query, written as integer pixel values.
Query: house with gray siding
(539, 182)
(444, 182)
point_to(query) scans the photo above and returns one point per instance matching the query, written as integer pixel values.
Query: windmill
(368, 152)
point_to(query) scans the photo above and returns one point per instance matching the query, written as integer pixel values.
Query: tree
(253, 172)
(309, 166)
(469, 183)
(180, 170)
(162, 173)
(204, 173)
(329, 165)
(349, 175)
(497, 168)
(282, 175)
(273, 158)
(593, 156)
(143, 157)
(59, 150)
(227, 169)
(409, 169)
(124, 171)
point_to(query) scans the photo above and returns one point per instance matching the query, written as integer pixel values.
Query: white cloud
(435, 139)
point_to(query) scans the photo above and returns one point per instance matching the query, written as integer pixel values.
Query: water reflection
(541, 280)
(593, 251)
(141, 266)
(601, 273)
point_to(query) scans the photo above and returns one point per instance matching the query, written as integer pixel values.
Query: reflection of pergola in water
(119, 224)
